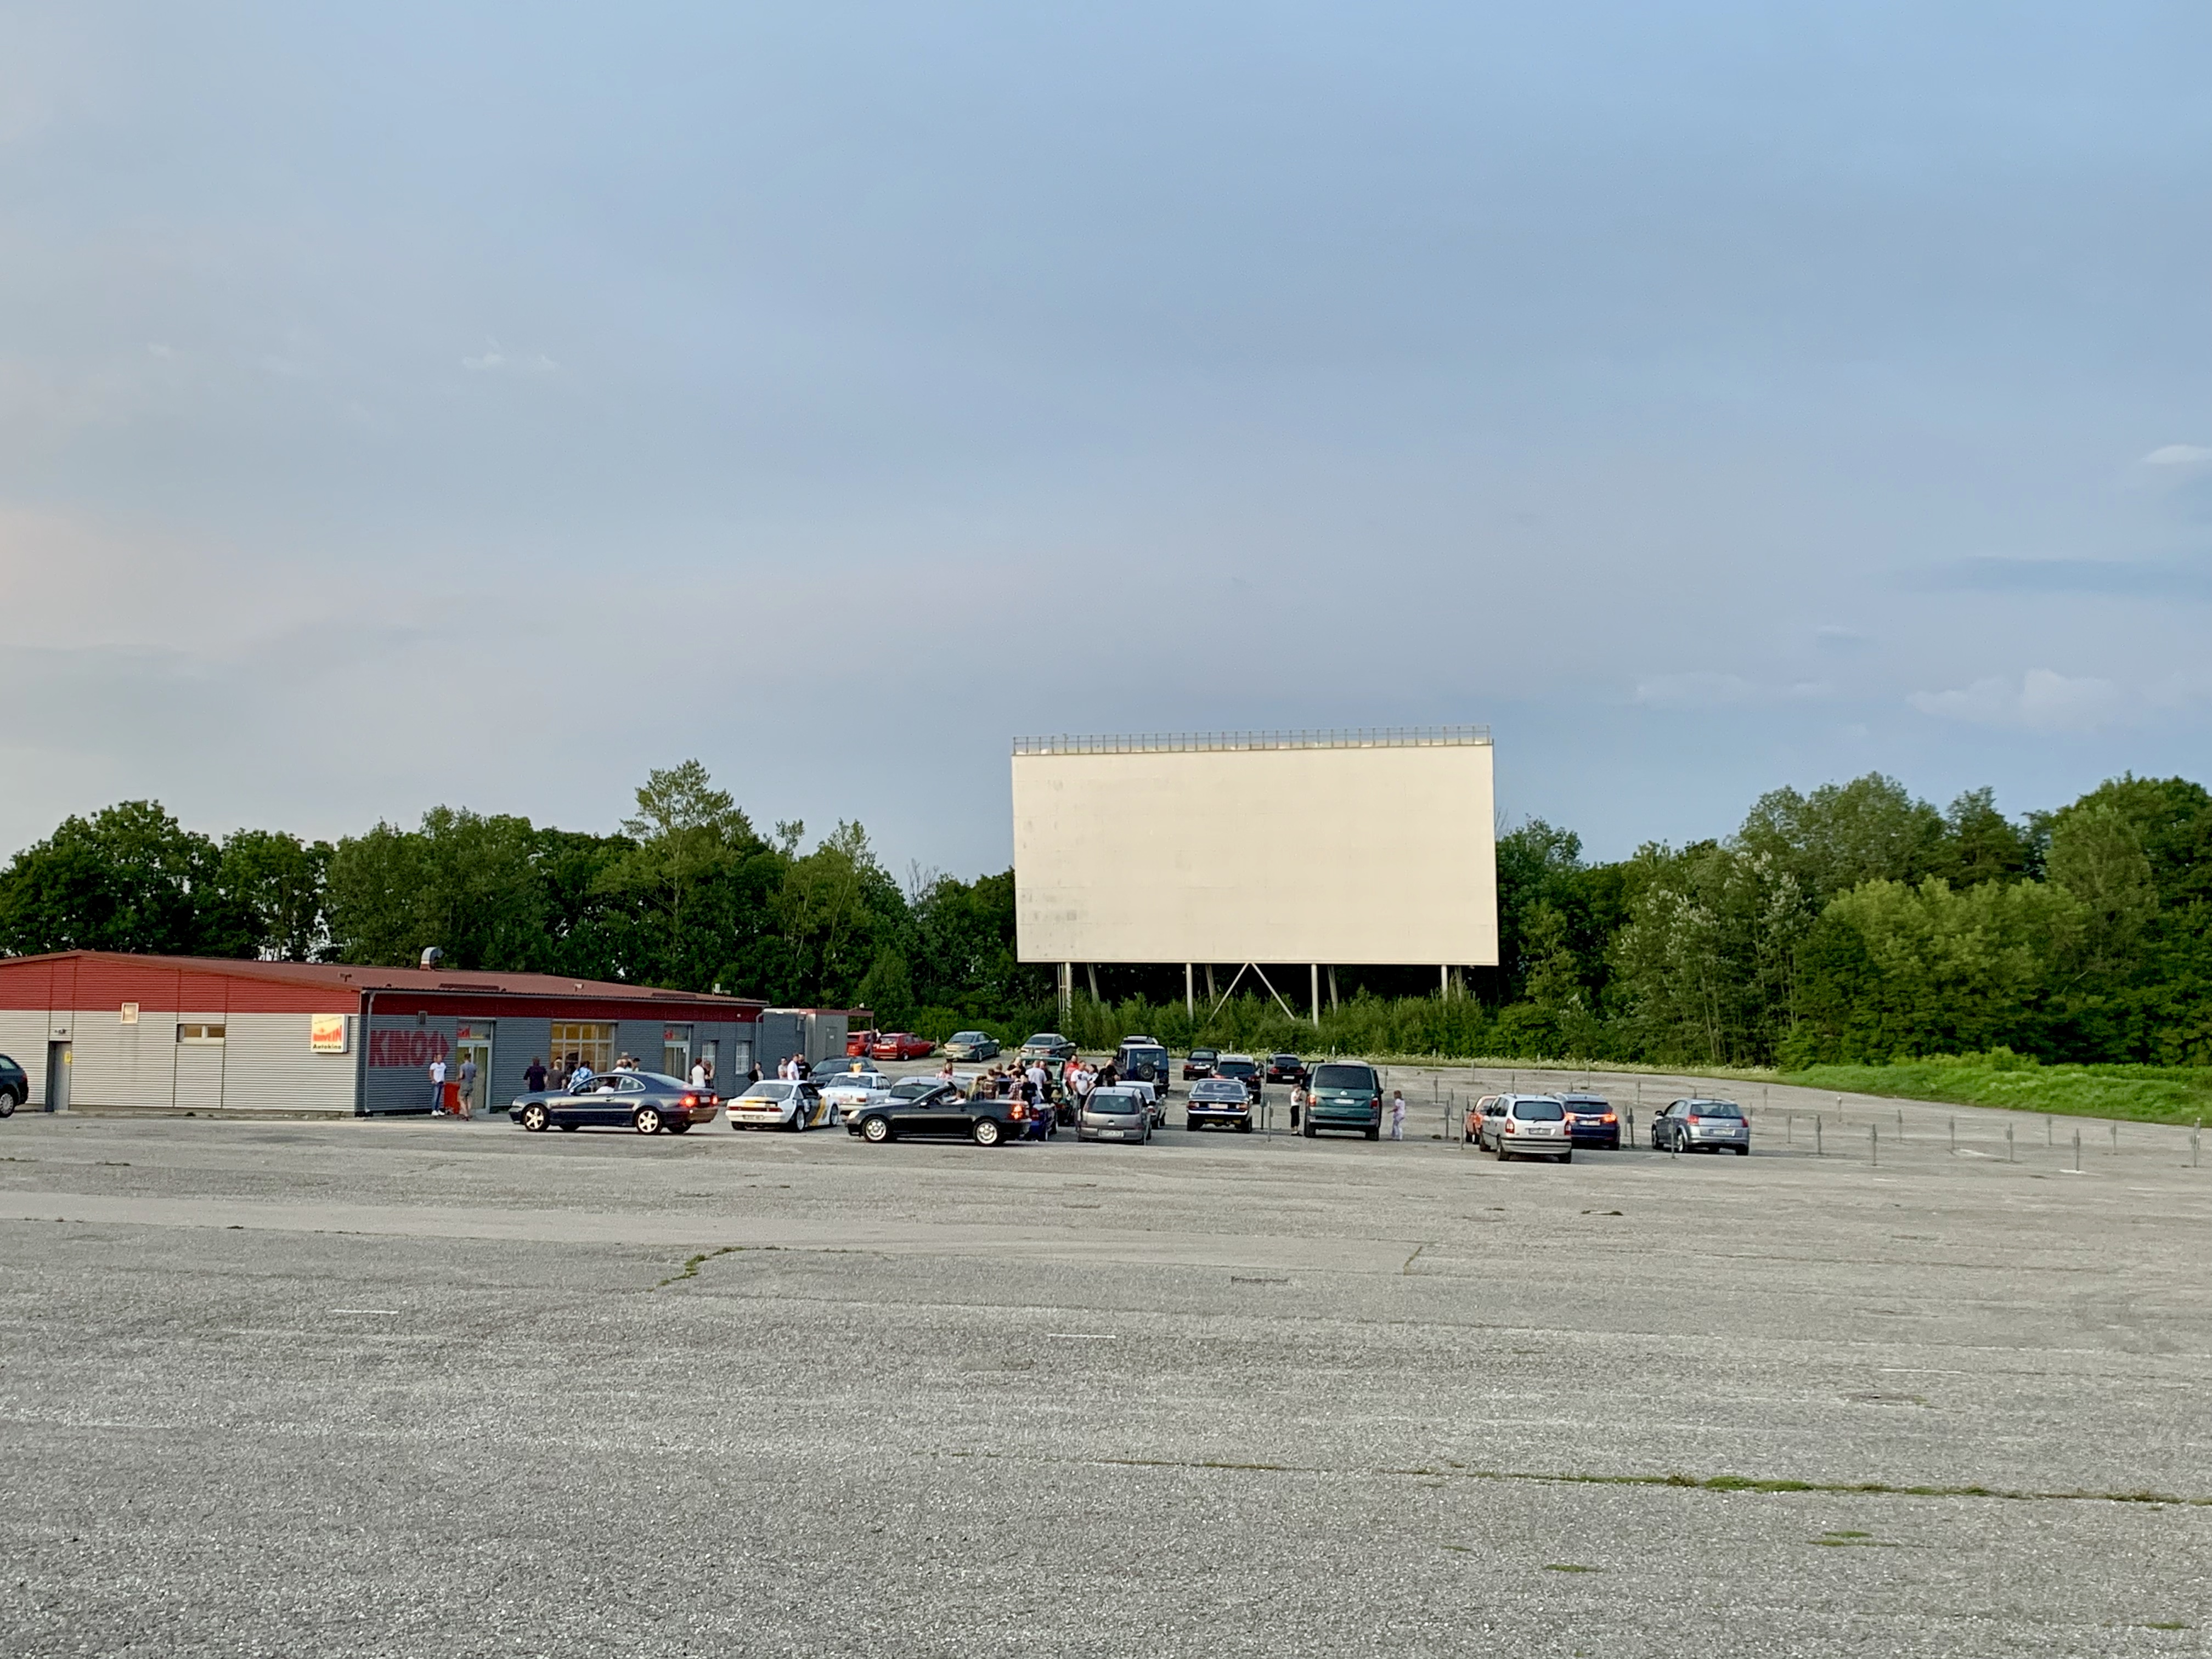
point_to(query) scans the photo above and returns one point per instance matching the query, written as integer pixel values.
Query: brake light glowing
(1608, 1118)
(1510, 1126)
(1694, 1118)
(690, 1100)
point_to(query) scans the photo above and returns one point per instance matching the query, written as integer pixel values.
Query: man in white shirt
(437, 1086)
(698, 1073)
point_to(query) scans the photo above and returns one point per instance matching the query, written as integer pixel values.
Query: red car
(901, 1045)
(859, 1045)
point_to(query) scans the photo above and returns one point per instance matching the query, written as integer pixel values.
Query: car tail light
(1608, 1118)
(1509, 1126)
(1694, 1118)
(690, 1100)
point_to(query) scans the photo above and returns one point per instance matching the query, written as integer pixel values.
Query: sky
(483, 405)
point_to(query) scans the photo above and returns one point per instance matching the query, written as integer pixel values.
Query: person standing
(753, 1074)
(1397, 1115)
(1297, 1100)
(467, 1087)
(699, 1073)
(438, 1086)
(533, 1076)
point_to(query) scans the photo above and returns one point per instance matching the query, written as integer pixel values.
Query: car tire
(681, 1126)
(9, 1099)
(875, 1129)
(1245, 1127)
(1308, 1131)
(1566, 1157)
(1374, 1133)
(535, 1117)
(798, 1124)
(987, 1133)
(648, 1120)
(1743, 1151)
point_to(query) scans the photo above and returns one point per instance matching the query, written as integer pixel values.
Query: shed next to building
(101, 1031)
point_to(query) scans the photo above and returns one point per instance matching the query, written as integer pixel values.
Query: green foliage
(2150, 1094)
(130, 877)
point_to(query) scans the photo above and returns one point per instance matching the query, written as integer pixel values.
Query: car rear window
(1714, 1108)
(1345, 1077)
(915, 1089)
(769, 1091)
(1116, 1102)
(1539, 1111)
(1210, 1090)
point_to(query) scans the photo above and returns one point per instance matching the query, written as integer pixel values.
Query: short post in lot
(1789, 1129)
(1900, 1123)
(2047, 1132)
(1954, 1134)
(2009, 1157)
(2116, 1137)
(1873, 1143)
(1817, 1151)
(2077, 1152)
(2194, 1135)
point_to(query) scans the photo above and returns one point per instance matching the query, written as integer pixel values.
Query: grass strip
(693, 1264)
(2135, 1094)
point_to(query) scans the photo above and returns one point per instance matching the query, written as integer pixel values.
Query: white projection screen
(1360, 847)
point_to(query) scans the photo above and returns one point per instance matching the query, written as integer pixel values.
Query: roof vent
(432, 956)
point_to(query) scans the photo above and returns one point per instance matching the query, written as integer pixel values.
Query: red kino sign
(410, 1049)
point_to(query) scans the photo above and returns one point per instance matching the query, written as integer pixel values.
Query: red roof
(352, 979)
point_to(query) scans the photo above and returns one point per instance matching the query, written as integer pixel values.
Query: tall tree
(129, 878)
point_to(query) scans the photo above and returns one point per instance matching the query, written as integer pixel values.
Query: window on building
(594, 1044)
(200, 1034)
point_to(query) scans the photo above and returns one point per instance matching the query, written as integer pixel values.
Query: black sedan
(15, 1086)
(1219, 1102)
(940, 1112)
(647, 1102)
(1286, 1068)
(1199, 1062)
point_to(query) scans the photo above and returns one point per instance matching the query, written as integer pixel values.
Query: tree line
(1852, 924)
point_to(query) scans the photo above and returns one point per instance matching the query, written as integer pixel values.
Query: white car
(847, 1089)
(1156, 1110)
(773, 1103)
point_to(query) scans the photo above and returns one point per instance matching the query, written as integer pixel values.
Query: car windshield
(1204, 1054)
(970, 1036)
(1217, 1092)
(1344, 1077)
(1044, 1040)
(1113, 1102)
(1286, 1059)
(1714, 1108)
(1539, 1111)
(915, 1089)
(770, 1091)
(1238, 1067)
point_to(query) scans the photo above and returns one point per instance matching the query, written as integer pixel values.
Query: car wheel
(1308, 1132)
(876, 1129)
(797, 1119)
(985, 1132)
(1245, 1127)
(648, 1120)
(534, 1118)
(1374, 1133)
(679, 1126)
(1743, 1151)
(1566, 1157)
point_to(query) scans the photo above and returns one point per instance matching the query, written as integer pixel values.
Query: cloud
(494, 358)
(1703, 688)
(2187, 457)
(2041, 700)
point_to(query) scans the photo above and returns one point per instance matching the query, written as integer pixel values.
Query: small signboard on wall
(129, 1013)
(326, 1033)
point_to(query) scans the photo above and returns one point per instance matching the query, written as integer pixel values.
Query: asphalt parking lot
(429, 1388)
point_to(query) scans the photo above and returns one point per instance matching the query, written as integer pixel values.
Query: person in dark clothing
(533, 1075)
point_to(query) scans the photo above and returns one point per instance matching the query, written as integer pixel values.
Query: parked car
(648, 1102)
(776, 1103)
(1142, 1060)
(1344, 1094)
(922, 1108)
(1701, 1126)
(1115, 1114)
(1471, 1130)
(1286, 1068)
(828, 1072)
(1156, 1103)
(1199, 1062)
(1591, 1122)
(1527, 1126)
(901, 1045)
(971, 1045)
(15, 1086)
(1243, 1068)
(1048, 1046)
(1219, 1102)
(858, 1045)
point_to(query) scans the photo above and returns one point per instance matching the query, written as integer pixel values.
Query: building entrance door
(710, 1052)
(57, 1077)
(676, 1051)
(474, 1043)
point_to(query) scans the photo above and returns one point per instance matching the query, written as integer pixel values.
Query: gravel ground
(424, 1389)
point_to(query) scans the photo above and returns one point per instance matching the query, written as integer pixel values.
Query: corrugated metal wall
(401, 1048)
(23, 1040)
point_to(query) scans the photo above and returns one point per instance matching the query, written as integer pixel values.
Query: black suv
(1143, 1061)
(939, 1114)
(1288, 1068)
(15, 1086)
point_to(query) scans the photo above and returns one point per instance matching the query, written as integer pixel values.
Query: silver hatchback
(1116, 1115)
(1701, 1126)
(1525, 1126)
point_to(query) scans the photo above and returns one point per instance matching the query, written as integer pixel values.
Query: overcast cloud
(429, 403)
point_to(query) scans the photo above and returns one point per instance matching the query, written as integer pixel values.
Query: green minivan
(1344, 1094)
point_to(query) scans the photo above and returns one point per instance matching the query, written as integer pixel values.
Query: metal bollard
(1900, 1123)
(2009, 1157)
(2077, 1152)
(1954, 1135)
(2116, 1137)
(2047, 1140)
(1817, 1152)
(1873, 1143)
(2193, 1136)
(1789, 1133)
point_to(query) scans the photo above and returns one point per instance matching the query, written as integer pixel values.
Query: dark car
(1288, 1068)
(1199, 1062)
(15, 1086)
(1047, 1046)
(1219, 1102)
(1243, 1068)
(938, 1112)
(1142, 1060)
(648, 1102)
(1344, 1094)
(1591, 1122)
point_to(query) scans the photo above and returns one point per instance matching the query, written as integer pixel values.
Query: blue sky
(412, 405)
